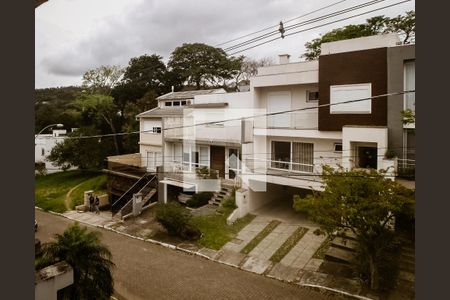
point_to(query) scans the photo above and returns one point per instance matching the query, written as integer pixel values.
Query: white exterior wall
(361, 135)
(45, 143)
(307, 119)
(286, 74)
(363, 43)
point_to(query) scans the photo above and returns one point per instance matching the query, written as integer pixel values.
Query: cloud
(152, 26)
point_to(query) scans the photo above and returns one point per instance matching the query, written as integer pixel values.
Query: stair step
(349, 235)
(339, 255)
(346, 244)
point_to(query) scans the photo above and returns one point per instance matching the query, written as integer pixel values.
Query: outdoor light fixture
(58, 125)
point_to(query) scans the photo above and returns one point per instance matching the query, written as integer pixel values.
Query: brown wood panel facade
(218, 159)
(365, 66)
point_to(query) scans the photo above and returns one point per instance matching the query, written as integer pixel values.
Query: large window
(339, 94)
(303, 157)
(294, 156)
(195, 157)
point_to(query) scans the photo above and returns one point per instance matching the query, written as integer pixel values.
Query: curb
(197, 253)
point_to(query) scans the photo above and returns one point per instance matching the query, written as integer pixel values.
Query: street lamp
(59, 125)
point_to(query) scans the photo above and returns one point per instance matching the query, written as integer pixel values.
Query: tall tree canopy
(146, 72)
(404, 25)
(365, 203)
(202, 65)
(102, 79)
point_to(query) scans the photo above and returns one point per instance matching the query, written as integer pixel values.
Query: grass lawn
(215, 230)
(97, 184)
(261, 235)
(50, 190)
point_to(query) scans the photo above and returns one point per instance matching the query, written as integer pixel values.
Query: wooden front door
(218, 159)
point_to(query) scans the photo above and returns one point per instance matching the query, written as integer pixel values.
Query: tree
(403, 25)
(102, 80)
(100, 108)
(84, 153)
(89, 258)
(249, 68)
(144, 73)
(203, 65)
(365, 203)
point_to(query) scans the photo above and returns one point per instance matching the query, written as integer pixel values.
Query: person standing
(91, 202)
(97, 205)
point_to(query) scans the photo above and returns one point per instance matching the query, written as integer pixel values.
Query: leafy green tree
(202, 65)
(365, 203)
(84, 153)
(144, 73)
(404, 25)
(102, 79)
(89, 258)
(99, 108)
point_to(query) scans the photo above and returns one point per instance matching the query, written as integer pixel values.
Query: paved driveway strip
(147, 271)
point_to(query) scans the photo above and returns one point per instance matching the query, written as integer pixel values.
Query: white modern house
(290, 149)
(292, 122)
(44, 144)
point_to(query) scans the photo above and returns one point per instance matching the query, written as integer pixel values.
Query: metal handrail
(131, 200)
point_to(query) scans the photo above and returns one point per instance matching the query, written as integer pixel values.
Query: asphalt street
(147, 271)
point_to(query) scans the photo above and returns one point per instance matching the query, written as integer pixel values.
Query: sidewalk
(103, 219)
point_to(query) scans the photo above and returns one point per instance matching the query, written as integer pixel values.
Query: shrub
(390, 154)
(177, 221)
(173, 217)
(199, 199)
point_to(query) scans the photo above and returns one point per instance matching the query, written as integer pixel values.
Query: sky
(74, 36)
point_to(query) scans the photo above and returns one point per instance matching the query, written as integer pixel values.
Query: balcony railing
(406, 168)
(260, 165)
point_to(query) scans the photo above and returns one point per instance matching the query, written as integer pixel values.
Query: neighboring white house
(44, 144)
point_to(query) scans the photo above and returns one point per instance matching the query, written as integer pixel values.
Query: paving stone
(209, 252)
(271, 243)
(282, 272)
(313, 264)
(231, 258)
(256, 265)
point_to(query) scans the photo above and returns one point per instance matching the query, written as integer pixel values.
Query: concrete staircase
(405, 285)
(342, 249)
(220, 195)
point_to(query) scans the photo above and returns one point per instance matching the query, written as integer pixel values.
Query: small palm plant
(89, 258)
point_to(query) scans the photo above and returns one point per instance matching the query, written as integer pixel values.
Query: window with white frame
(410, 85)
(303, 157)
(294, 156)
(152, 126)
(195, 156)
(339, 94)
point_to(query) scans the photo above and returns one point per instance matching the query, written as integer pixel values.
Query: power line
(244, 118)
(318, 26)
(314, 20)
(274, 26)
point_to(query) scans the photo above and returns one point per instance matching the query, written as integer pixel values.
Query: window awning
(179, 184)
